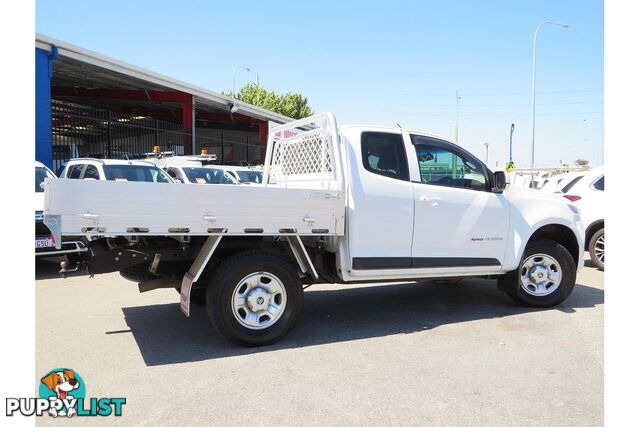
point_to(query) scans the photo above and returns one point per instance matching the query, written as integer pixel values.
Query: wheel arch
(561, 234)
(591, 230)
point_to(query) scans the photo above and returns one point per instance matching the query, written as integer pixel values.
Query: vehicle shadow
(165, 336)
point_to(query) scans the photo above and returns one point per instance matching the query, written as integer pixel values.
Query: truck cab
(437, 209)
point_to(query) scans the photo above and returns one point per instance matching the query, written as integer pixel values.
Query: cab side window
(91, 172)
(173, 173)
(384, 154)
(440, 165)
(74, 171)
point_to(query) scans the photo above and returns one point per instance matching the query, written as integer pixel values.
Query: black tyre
(546, 275)
(254, 298)
(596, 248)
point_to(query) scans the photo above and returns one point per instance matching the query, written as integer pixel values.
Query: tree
(290, 104)
(582, 162)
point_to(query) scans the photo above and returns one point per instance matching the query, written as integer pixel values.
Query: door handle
(433, 201)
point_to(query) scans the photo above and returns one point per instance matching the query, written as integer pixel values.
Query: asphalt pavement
(416, 353)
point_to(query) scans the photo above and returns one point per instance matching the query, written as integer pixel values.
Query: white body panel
(592, 201)
(450, 222)
(115, 207)
(380, 209)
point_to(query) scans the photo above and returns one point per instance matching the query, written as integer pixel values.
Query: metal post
(486, 145)
(193, 125)
(533, 89)
(513, 126)
(109, 119)
(155, 132)
(457, 116)
(233, 81)
(222, 149)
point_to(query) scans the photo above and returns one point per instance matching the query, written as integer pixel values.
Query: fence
(81, 131)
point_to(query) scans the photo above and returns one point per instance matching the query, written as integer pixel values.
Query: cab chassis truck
(337, 205)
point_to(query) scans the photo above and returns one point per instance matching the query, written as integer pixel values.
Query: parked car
(386, 205)
(114, 170)
(201, 175)
(244, 174)
(192, 169)
(45, 245)
(587, 192)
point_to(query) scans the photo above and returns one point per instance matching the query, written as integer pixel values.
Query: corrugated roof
(141, 77)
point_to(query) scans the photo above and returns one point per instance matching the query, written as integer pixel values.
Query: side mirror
(500, 180)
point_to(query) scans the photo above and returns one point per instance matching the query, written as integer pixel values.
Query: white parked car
(45, 245)
(201, 175)
(193, 169)
(587, 192)
(113, 170)
(245, 174)
(342, 205)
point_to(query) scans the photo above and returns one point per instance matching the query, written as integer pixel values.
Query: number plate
(44, 242)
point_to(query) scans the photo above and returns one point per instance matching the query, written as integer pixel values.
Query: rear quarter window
(384, 154)
(599, 184)
(571, 183)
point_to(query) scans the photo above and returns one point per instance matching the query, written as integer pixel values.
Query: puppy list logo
(62, 393)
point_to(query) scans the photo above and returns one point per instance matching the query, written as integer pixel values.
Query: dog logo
(62, 393)
(64, 385)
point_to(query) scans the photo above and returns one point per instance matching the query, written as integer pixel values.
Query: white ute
(355, 204)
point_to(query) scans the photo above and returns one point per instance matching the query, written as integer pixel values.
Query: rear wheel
(596, 248)
(254, 298)
(546, 275)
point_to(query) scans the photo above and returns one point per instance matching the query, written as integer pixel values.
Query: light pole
(240, 67)
(533, 89)
(513, 126)
(486, 146)
(455, 134)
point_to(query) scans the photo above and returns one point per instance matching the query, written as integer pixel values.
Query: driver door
(459, 221)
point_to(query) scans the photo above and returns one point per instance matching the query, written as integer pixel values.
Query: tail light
(53, 239)
(572, 198)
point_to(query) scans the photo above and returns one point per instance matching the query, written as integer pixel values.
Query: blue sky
(378, 62)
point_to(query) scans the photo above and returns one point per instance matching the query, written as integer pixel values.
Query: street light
(486, 146)
(533, 90)
(455, 134)
(240, 67)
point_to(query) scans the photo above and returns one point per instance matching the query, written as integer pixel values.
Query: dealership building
(90, 105)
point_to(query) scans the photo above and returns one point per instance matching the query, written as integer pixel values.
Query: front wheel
(546, 275)
(254, 298)
(596, 248)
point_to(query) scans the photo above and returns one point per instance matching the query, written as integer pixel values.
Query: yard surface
(425, 353)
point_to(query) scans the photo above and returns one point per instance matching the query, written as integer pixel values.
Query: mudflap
(115, 260)
(185, 293)
(196, 270)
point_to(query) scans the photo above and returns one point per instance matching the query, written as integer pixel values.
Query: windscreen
(252, 177)
(135, 173)
(41, 174)
(209, 176)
